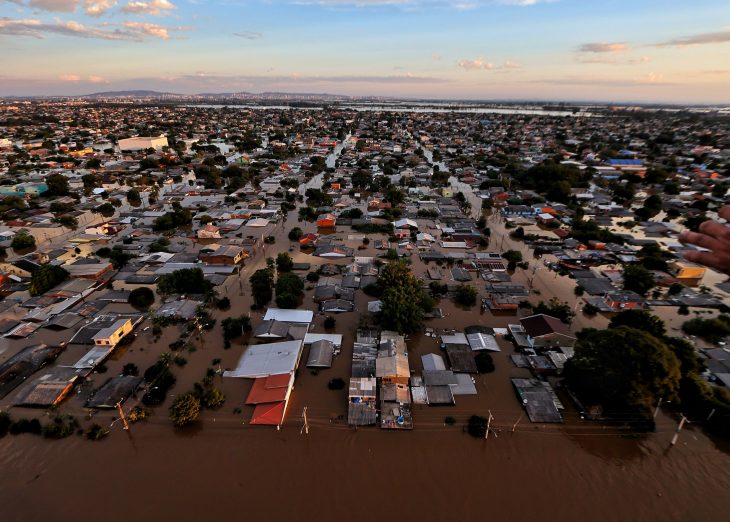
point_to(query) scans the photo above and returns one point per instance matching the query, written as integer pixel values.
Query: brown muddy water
(222, 468)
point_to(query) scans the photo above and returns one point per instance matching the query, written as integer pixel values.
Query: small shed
(320, 354)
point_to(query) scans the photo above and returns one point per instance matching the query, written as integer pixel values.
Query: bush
(295, 234)
(141, 298)
(484, 361)
(213, 398)
(46, 277)
(22, 240)
(329, 322)
(96, 432)
(449, 420)
(223, 303)
(465, 295)
(336, 384)
(184, 410)
(590, 310)
(60, 427)
(137, 414)
(477, 426)
(160, 379)
(235, 326)
(19, 426)
(312, 277)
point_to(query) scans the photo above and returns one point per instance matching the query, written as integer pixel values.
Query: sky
(655, 51)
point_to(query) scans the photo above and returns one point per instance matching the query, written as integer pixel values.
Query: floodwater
(407, 108)
(223, 468)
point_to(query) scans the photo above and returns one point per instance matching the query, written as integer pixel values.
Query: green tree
(67, 221)
(465, 295)
(555, 308)
(289, 289)
(638, 279)
(404, 300)
(22, 240)
(295, 234)
(641, 320)
(262, 282)
(141, 298)
(284, 262)
(711, 330)
(185, 409)
(133, 197)
(184, 281)
(46, 277)
(57, 185)
(625, 370)
(235, 326)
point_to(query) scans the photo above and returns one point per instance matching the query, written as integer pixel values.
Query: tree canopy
(185, 409)
(623, 369)
(638, 279)
(46, 277)
(141, 298)
(262, 282)
(404, 300)
(184, 281)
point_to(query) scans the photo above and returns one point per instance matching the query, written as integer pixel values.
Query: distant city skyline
(668, 51)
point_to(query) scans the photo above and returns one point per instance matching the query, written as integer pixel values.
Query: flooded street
(222, 467)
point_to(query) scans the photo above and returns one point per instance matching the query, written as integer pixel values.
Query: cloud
(249, 35)
(603, 47)
(481, 64)
(96, 8)
(298, 78)
(719, 37)
(93, 78)
(153, 7)
(61, 6)
(460, 5)
(471, 65)
(649, 79)
(613, 61)
(148, 29)
(130, 31)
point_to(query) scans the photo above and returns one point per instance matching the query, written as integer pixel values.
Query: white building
(142, 143)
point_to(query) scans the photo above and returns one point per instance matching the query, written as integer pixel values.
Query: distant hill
(129, 94)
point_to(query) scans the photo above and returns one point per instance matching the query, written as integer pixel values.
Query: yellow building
(111, 335)
(688, 273)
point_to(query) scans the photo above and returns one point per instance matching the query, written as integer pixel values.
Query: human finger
(716, 230)
(724, 212)
(701, 240)
(709, 259)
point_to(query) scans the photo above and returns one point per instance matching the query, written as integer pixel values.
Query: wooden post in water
(121, 413)
(305, 425)
(679, 428)
(514, 426)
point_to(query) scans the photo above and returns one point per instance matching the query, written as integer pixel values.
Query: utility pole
(514, 426)
(489, 424)
(305, 425)
(679, 428)
(656, 411)
(121, 413)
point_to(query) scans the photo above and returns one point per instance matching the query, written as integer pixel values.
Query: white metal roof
(432, 361)
(482, 341)
(262, 360)
(289, 316)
